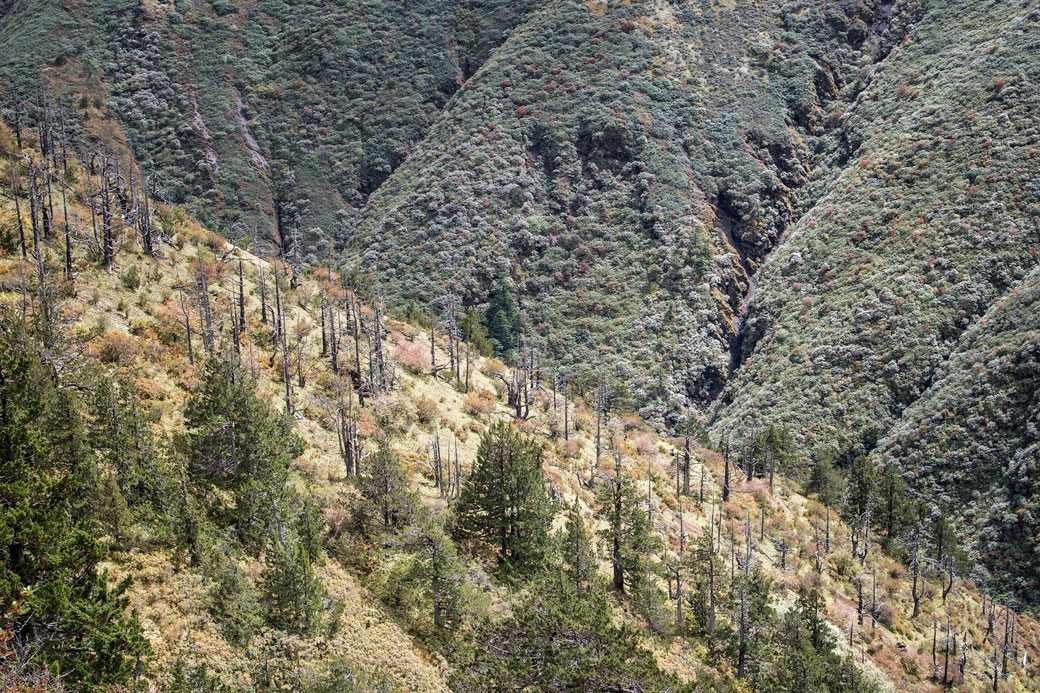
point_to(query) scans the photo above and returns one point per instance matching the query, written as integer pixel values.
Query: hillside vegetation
(240, 494)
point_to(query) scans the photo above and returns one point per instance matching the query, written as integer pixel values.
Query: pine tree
(893, 516)
(293, 590)
(825, 481)
(234, 600)
(805, 654)
(503, 320)
(707, 588)
(384, 486)
(50, 526)
(744, 640)
(241, 444)
(556, 640)
(436, 569)
(474, 332)
(579, 560)
(628, 538)
(503, 501)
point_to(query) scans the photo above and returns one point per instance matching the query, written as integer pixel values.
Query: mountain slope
(130, 324)
(623, 166)
(934, 218)
(251, 110)
(971, 441)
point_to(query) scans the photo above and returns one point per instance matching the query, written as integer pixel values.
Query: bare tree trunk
(64, 201)
(17, 206)
(187, 329)
(357, 348)
(35, 203)
(108, 233)
(241, 296)
(280, 334)
(206, 317)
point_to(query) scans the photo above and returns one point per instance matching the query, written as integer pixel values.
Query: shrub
(571, 449)
(479, 404)
(117, 348)
(413, 357)
(425, 410)
(130, 279)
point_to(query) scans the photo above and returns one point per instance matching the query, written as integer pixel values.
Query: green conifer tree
(628, 539)
(242, 445)
(502, 319)
(437, 571)
(503, 500)
(579, 560)
(50, 523)
(825, 481)
(384, 486)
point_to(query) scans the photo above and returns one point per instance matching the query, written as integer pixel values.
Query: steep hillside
(161, 326)
(933, 220)
(805, 235)
(245, 111)
(970, 442)
(623, 167)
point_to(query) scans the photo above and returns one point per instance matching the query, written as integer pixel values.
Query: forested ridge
(224, 474)
(485, 345)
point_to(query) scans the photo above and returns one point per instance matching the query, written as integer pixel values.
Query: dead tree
(725, 477)
(263, 296)
(205, 305)
(355, 317)
(281, 341)
(917, 584)
(351, 446)
(686, 461)
(107, 220)
(64, 200)
(187, 325)
(35, 205)
(17, 206)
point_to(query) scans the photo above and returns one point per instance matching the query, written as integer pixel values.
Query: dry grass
(147, 336)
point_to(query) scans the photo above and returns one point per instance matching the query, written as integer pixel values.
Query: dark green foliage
(893, 518)
(503, 320)
(236, 442)
(826, 481)
(239, 452)
(706, 586)
(435, 569)
(577, 552)
(99, 641)
(859, 489)
(423, 580)
(292, 590)
(628, 540)
(50, 526)
(743, 640)
(474, 333)
(503, 501)
(135, 469)
(388, 499)
(806, 656)
(560, 640)
(234, 600)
